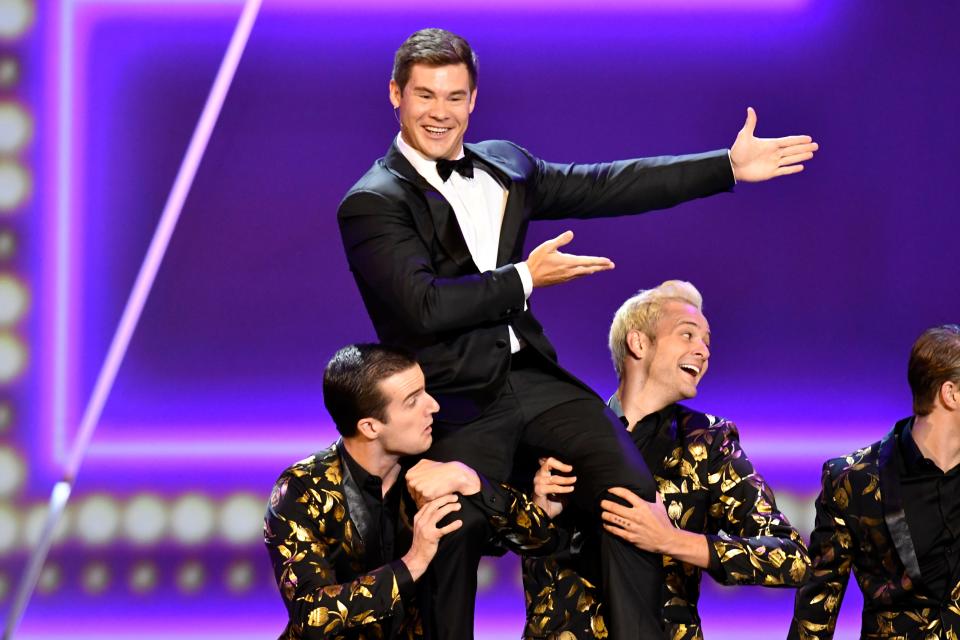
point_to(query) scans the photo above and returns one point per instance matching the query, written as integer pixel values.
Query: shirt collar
(424, 166)
(657, 417)
(367, 482)
(914, 462)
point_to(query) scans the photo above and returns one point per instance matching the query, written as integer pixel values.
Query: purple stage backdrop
(815, 285)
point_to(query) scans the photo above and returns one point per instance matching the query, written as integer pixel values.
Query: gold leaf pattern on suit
(709, 485)
(850, 532)
(316, 556)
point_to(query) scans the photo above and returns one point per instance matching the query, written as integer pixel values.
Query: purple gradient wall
(814, 285)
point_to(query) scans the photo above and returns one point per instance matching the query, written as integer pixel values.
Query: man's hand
(548, 489)
(645, 525)
(426, 533)
(756, 159)
(428, 480)
(549, 266)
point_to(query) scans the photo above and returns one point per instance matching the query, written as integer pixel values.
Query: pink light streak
(134, 307)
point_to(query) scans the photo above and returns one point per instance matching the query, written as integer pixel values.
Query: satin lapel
(356, 507)
(893, 504)
(513, 210)
(441, 213)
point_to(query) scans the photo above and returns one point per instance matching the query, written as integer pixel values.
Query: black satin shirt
(931, 504)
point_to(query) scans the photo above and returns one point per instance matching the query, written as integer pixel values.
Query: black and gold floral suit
(314, 530)
(861, 525)
(709, 486)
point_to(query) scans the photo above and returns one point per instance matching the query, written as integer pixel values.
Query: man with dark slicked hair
(345, 544)
(434, 236)
(891, 513)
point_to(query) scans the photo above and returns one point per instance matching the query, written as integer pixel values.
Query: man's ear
(369, 428)
(473, 100)
(638, 344)
(950, 395)
(394, 94)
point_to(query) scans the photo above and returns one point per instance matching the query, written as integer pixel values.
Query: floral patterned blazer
(314, 530)
(861, 526)
(708, 486)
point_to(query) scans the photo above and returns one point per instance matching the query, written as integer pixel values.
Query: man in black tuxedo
(434, 236)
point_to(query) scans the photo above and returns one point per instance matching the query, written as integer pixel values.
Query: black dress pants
(542, 409)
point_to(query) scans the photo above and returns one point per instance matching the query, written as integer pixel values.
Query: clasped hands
(434, 487)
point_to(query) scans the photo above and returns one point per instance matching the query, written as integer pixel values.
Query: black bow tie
(463, 166)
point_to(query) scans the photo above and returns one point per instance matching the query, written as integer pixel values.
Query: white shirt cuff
(730, 158)
(525, 278)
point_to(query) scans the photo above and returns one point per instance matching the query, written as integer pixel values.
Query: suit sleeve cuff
(491, 499)
(525, 278)
(730, 158)
(715, 568)
(405, 583)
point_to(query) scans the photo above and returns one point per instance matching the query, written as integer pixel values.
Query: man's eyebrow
(424, 90)
(413, 393)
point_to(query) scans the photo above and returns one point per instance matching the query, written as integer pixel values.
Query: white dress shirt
(478, 203)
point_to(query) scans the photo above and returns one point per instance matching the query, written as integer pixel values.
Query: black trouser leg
(452, 577)
(585, 434)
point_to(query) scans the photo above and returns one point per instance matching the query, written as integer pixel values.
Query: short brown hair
(351, 383)
(434, 48)
(934, 359)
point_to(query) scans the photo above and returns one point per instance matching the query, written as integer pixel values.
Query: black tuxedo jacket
(421, 286)
(861, 526)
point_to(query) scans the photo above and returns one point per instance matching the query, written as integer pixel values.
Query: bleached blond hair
(642, 312)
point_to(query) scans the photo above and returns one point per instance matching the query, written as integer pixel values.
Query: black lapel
(663, 443)
(356, 508)
(893, 503)
(512, 221)
(444, 220)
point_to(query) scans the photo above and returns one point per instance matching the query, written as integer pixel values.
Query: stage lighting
(9, 523)
(240, 577)
(50, 578)
(98, 520)
(190, 577)
(192, 519)
(9, 72)
(16, 127)
(801, 512)
(241, 519)
(143, 577)
(16, 16)
(13, 357)
(145, 519)
(33, 525)
(6, 416)
(14, 184)
(11, 471)
(96, 578)
(13, 300)
(486, 574)
(8, 245)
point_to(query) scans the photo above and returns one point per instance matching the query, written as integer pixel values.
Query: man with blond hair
(713, 512)
(891, 512)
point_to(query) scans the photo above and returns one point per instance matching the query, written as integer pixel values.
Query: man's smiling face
(680, 353)
(435, 107)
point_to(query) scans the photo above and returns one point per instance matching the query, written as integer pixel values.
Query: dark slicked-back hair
(434, 48)
(351, 383)
(934, 359)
